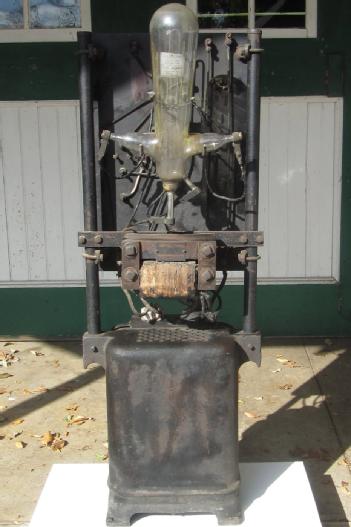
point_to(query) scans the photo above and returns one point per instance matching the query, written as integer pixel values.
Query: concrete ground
(297, 406)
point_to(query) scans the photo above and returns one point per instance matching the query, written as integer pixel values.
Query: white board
(41, 191)
(76, 496)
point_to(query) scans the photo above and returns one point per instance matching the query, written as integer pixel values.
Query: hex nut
(207, 251)
(207, 275)
(131, 250)
(130, 274)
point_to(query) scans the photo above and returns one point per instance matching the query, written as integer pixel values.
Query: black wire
(141, 195)
(216, 294)
(154, 201)
(218, 196)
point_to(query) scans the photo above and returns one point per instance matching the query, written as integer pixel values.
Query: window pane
(11, 14)
(222, 13)
(283, 13)
(54, 13)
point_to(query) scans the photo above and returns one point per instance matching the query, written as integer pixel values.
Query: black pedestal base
(122, 511)
(172, 423)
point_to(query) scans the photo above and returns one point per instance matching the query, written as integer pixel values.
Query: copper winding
(167, 279)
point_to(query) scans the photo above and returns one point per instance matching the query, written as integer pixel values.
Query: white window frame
(310, 31)
(28, 34)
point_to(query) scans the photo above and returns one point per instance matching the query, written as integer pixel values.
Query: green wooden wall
(290, 67)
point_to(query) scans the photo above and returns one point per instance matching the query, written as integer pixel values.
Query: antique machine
(170, 204)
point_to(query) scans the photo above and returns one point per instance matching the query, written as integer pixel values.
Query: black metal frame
(93, 240)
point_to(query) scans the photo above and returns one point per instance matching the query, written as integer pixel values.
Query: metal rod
(170, 206)
(89, 181)
(251, 14)
(252, 160)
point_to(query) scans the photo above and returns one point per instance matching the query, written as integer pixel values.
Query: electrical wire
(218, 196)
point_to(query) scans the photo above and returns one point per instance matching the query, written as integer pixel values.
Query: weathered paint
(290, 67)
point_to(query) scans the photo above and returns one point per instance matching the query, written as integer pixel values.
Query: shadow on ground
(296, 433)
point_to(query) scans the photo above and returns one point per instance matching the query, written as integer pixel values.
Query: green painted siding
(290, 67)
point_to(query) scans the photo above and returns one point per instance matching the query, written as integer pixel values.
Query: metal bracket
(94, 347)
(250, 344)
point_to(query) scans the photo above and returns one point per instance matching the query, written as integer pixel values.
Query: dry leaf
(285, 386)
(292, 364)
(20, 444)
(73, 407)
(276, 371)
(259, 398)
(5, 375)
(2, 437)
(282, 360)
(8, 357)
(58, 444)
(345, 487)
(38, 389)
(16, 434)
(77, 420)
(101, 457)
(37, 353)
(47, 438)
(17, 421)
(2, 391)
(251, 415)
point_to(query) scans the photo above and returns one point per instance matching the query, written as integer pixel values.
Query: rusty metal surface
(206, 265)
(172, 413)
(167, 279)
(228, 238)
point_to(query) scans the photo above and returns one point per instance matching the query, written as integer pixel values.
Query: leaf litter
(54, 441)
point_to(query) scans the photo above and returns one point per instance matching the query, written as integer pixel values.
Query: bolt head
(131, 250)
(243, 238)
(98, 238)
(130, 274)
(82, 239)
(259, 238)
(208, 251)
(208, 275)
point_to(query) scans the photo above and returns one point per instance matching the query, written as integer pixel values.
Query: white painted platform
(272, 494)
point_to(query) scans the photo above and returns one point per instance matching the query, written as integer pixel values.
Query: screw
(131, 250)
(243, 238)
(208, 275)
(82, 239)
(98, 238)
(207, 250)
(130, 274)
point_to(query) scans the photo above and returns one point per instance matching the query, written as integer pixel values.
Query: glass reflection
(54, 13)
(11, 14)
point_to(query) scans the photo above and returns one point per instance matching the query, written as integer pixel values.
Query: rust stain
(167, 279)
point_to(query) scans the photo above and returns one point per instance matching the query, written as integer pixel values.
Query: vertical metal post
(89, 181)
(252, 159)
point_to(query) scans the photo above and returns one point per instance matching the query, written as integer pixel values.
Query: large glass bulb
(173, 33)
